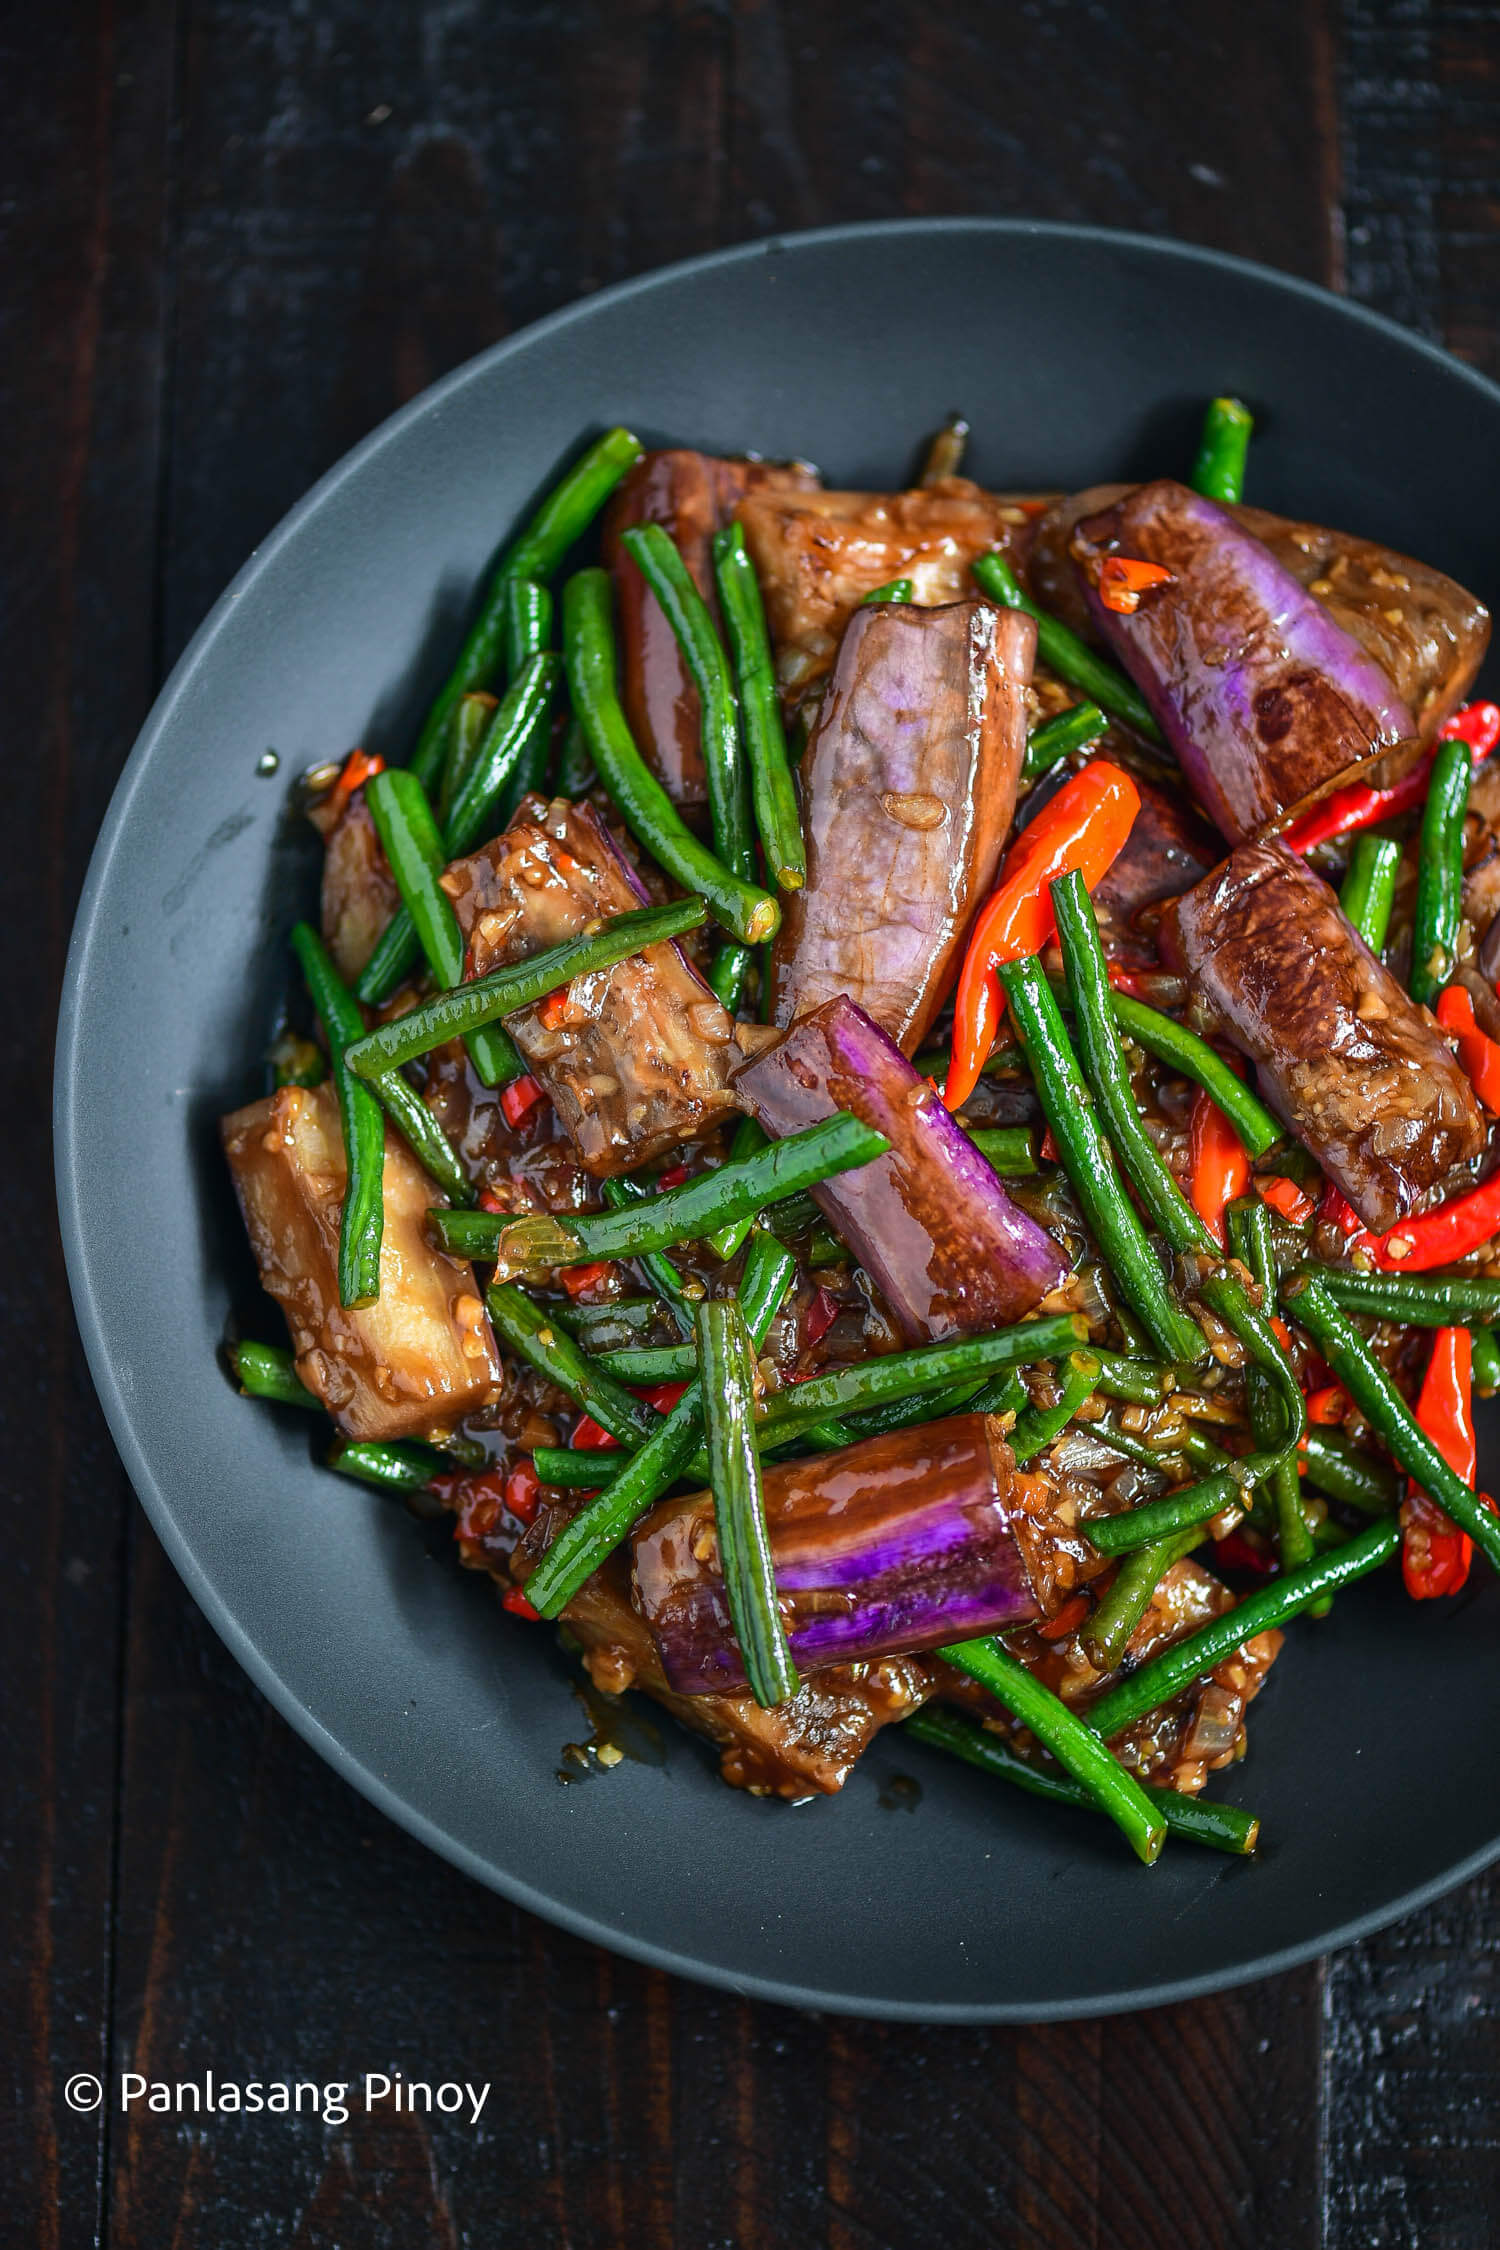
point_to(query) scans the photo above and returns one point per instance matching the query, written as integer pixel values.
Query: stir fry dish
(895, 1110)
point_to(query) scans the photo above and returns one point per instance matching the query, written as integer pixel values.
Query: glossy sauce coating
(422, 1356)
(1346, 1058)
(636, 1058)
(908, 786)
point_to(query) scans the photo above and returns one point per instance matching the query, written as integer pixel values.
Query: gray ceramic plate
(1077, 355)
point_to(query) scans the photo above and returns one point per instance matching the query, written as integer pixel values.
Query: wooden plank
(82, 190)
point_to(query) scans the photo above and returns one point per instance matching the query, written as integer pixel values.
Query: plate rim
(68, 1072)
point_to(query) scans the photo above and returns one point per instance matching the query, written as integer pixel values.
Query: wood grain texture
(242, 233)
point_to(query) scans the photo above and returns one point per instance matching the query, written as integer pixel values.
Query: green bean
(1140, 1381)
(945, 451)
(1191, 1057)
(1387, 1412)
(1035, 1430)
(1164, 1676)
(650, 1363)
(399, 808)
(651, 549)
(581, 1467)
(1224, 1295)
(825, 1249)
(467, 729)
(928, 1406)
(575, 764)
(1427, 1300)
(1440, 872)
(677, 1295)
(1340, 1469)
(1219, 471)
(362, 1219)
(727, 1359)
(1195, 1504)
(772, 788)
(1249, 1224)
(1108, 1632)
(728, 972)
(1052, 741)
(1090, 1167)
(480, 1001)
(894, 590)
(1064, 653)
(795, 1217)
(525, 1329)
(1196, 1820)
(749, 1139)
(1369, 889)
(747, 913)
(269, 1371)
(1004, 1394)
(423, 1134)
(610, 1326)
(631, 1485)
(683, 1214)
(1009, 1150)
(395, 1464)
(1072, 1744)
(527, 706)
(1486, 1361)
(562, 518)
(528, 635)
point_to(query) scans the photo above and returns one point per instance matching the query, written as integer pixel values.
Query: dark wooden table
(238, 233)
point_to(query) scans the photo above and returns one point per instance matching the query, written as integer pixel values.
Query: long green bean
(1196, 1820)
(1426, 1300)
(467, 729)
(894, 590)
(1164, 1676)
(1250, 1240)
(727, 1358)
(610, 1326)
(1142, 1382)
(563, 517)
(746, 912)
(394, 1464)
(1009, 1150)
(1107, 1634)
(1035, 1430)
(773, 791)
(481, 1001)
(1191, 1057)
(413, 846)
(679, 1296)
(1090, 1166)
(1155, 1520)
(1387, 1412)
(526, 707)
(650, 1363)
(1075, 1746)
(269, 1371)
(1065, 654)
(1343, 1471)
(683, 1214)
(1440, 872)
(528, 635)
(749, 1139)
(362, 1218)
(423, 1134)
(525, 1329)
(582, 1468)
(1219, 471)
(1486, 1361)
(1369, 888)
(1055, 738)
(631, 1485)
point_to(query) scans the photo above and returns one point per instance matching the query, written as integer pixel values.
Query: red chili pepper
(515, 1601)
(1124, 578)
(1067, 1620)
(519, 1099)
(1478, 1054)
(491, 1202)
(521, 1489)
(821, 1315)
(1435, 1554)
(1083, 827)
(589, 1435)
(1328, 1406)
(576, 1279)
(356, 770)
(1047, 1153)
(1334, 1211)
(1464, 1223)
(663, 1396)
(1285, 1196)
(1359, 806)
(552, 1008)
(1235, 1552)
(1219, 1169)
(674, 1176)
(1135, 983)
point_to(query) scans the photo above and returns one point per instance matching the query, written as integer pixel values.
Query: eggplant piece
(1168, 850)
(1265, 701)
(817, 554)
(636, 1058)
(359, 890)
(930, 1222)
(1199, 1731)
(422, 1356)
(888, 1547)
(692, 495)
(1427, 633)
(908, 788)
(1351, 1063)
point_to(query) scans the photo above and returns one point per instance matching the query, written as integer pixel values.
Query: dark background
(237, 234)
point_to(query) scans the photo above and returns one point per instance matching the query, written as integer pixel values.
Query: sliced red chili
(519, 1099)
(515, 1601)
(1124, 578)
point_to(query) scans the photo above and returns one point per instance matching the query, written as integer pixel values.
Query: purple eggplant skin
(1427, 633)
(1345, 1057)
(908, 788)
(930, 1222)
(1265, 701)
(892, 1545)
